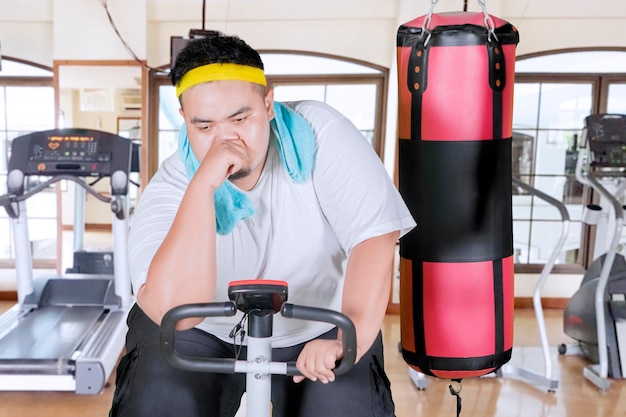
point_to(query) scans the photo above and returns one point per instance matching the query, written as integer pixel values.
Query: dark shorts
(148, 386)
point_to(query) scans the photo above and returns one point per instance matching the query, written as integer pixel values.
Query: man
(260, 190)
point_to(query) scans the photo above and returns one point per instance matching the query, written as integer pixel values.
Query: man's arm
(365, 296)
(367, 286)
(183, 269)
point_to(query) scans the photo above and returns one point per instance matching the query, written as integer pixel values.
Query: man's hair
(216, 48)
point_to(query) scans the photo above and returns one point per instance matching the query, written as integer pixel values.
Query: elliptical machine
(596, 314)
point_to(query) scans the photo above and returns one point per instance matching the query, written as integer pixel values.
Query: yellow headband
(220, 72)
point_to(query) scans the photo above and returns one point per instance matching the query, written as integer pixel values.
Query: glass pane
(42, 227)
(300, 92)
(526, 106)
(43, 237)
(573, 193)
(617, 99)
(521, 238)
(553, 147)
(545, 236)
(170, 122)
(357, 103)
(3, 124)
(522, 206)
(575, 62)
(291, 64)
(168, 143)
(535, 242)
(169, 115)
(523, 153)
(4, 158)
(6, 239)
(18, 69)
(29, 108)
(564, 106)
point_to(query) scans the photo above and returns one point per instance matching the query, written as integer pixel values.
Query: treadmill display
(78, 152)
(66, 148)
(607, 140)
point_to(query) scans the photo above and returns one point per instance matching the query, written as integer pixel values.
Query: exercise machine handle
(348, 332)
(229, 308)
(168, 329)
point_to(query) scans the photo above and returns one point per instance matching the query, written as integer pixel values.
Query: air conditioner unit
(131, 102)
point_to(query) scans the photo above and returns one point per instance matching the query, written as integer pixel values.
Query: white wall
(43, 30)
(46, 30)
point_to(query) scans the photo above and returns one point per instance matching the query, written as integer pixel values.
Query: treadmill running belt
(49, 333)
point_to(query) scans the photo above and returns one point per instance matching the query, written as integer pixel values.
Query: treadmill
(67, 331)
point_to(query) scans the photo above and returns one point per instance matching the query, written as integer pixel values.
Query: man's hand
(223, 159)
(317, 360)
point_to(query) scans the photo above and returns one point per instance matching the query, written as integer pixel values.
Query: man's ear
(269, 103)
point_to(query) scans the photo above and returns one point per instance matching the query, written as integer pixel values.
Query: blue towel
(295, 142)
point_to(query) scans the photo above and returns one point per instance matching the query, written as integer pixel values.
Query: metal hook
(489, 24)
(427, 21)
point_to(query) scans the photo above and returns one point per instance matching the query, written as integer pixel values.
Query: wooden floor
(481, 397)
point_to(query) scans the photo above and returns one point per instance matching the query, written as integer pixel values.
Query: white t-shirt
(301, 233)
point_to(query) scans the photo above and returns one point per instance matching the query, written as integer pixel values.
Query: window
(26, 105)
(553, 95)
(355, 89)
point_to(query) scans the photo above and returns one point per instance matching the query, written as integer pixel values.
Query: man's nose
(226, 131)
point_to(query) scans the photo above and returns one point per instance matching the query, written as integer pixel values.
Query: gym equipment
(66, 332)
(530, 376)
(98, 262)
(596, 314)
(455, 73)
(259, 300)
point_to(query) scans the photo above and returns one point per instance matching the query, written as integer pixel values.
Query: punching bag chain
(488, 21)
(457, 394)
(426, 22)
(489, 24)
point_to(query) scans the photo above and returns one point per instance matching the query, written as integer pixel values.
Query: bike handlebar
(229, 308)
(348, 332)
(188, 363)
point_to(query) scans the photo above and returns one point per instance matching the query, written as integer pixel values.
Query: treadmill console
(606, 134)
(78, 152)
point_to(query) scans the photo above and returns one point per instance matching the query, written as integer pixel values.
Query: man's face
(223, 110)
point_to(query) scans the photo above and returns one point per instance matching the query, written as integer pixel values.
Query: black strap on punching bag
(417, 81)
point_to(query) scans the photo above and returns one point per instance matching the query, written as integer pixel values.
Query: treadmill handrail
(7, 199)
(61, 177)
(12, 204)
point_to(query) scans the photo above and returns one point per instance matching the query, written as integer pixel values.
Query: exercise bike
(259, 300)
(596, 314)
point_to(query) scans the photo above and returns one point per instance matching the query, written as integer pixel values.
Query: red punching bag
(456, 77)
